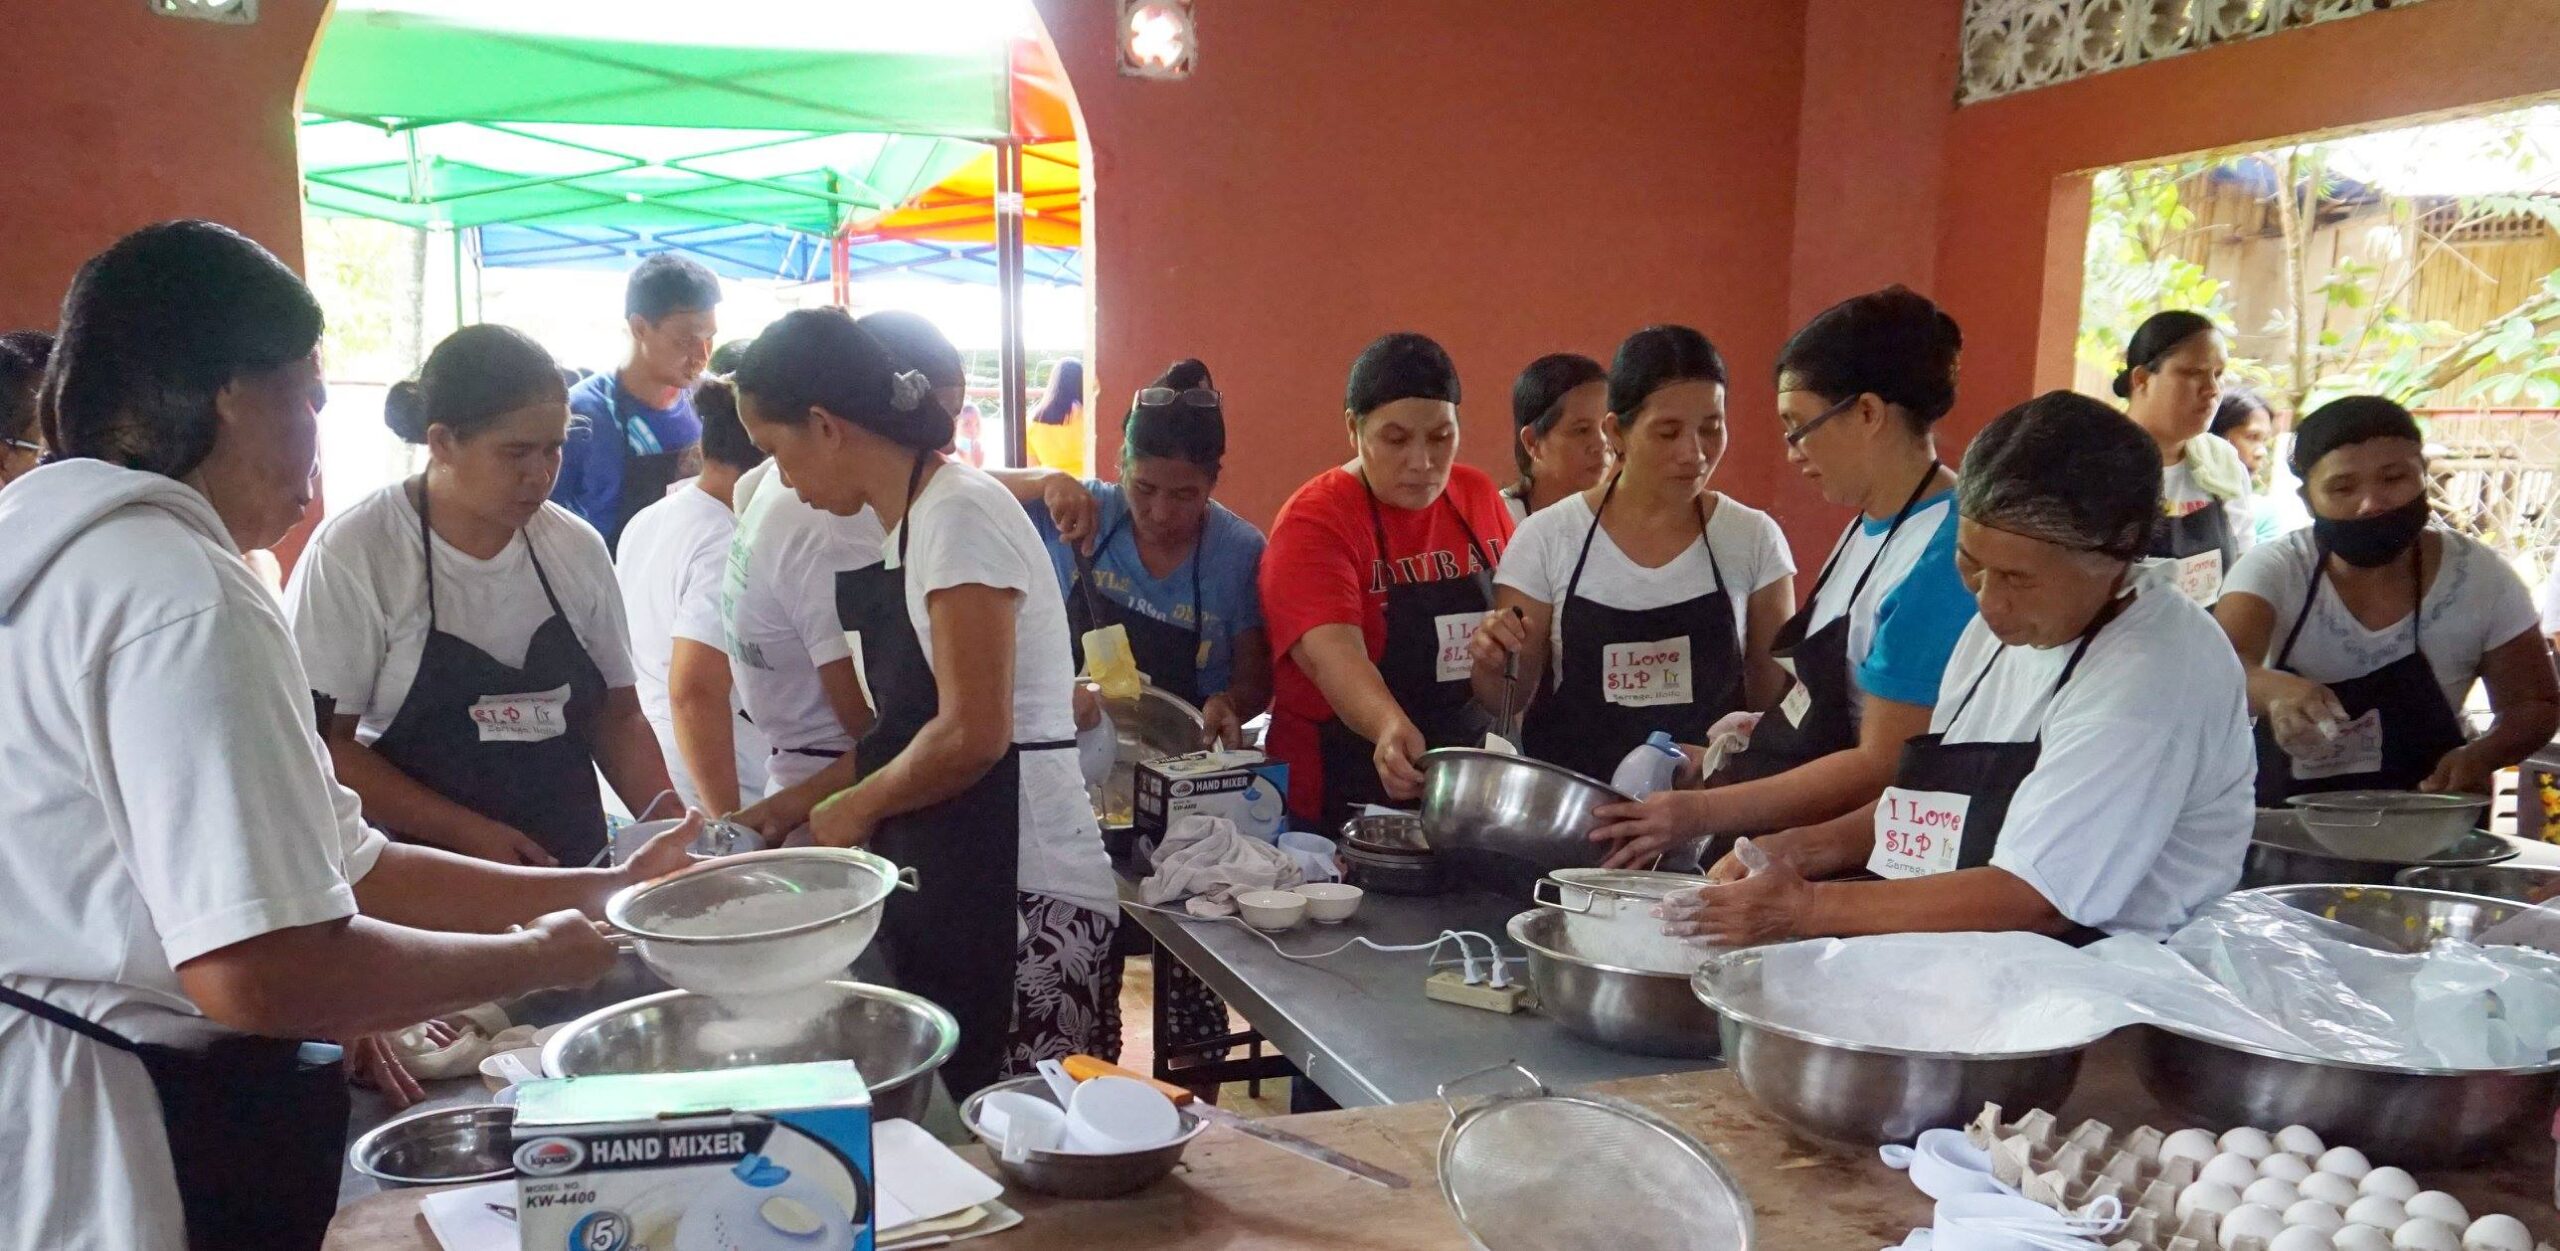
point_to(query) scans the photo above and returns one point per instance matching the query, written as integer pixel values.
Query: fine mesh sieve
(1533, 1169)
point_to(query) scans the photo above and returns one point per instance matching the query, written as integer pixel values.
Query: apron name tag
(1918, 833)
(1455, 629)
(1645, 675)
(2200, 577)
(532, 717)
(2357, 749)
(1798, 702)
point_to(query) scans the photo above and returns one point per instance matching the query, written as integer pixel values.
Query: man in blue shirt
(636, 432)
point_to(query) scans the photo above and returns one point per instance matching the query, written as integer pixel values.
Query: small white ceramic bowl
(1328, 903)
(1272, 910)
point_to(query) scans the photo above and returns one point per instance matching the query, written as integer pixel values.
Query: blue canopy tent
(743, 251)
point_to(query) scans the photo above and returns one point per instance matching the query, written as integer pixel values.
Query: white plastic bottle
(1650, 767)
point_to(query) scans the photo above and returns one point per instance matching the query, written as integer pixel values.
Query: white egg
(2302, 1238)
(2346, 1162)
(2497, 1232)
(2380, 1211)
(2299, 1140)
(2313, 1214)
(2211, 1197)
(2329, 1188)
(2188, 1144)
(2250, 1220)
(2390, 1183)
(2274, 1192)
(2361, 1238)
(2252, 1143)
(2285, 1164)
(2436, 1205)
(2231, 1169)
(2428, 1236)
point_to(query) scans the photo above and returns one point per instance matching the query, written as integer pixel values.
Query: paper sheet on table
(916, 1178)
(461, 1219)
(993, 1218)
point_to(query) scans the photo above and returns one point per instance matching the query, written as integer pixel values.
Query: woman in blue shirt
(1859, 389)
(1171, 565)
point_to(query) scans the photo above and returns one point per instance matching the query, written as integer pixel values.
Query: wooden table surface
(1236, 1194)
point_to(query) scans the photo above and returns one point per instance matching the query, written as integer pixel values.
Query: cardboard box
(1245, 787)
(740, 1160)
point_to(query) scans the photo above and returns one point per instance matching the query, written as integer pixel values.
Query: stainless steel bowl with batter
(2402, 918)
(2515, 883)
(898, 1040)
(1623, 1009)
(1494, 815)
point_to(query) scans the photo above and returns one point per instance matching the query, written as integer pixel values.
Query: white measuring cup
(1024, 1123)
(1118, 1115)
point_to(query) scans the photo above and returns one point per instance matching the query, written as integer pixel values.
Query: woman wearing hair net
(2088, 767)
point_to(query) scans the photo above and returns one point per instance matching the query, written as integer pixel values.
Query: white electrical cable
(1473, 975)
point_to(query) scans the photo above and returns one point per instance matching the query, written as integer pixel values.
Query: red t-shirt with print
(1323, 567)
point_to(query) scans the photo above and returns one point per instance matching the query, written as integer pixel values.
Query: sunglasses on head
(1166, 397)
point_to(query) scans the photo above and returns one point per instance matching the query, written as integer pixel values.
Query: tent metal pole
(1009, 267)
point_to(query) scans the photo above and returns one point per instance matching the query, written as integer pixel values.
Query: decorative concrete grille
(2020, 45)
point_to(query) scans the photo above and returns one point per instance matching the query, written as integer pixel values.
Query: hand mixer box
(774, 1158)
(1245, 787)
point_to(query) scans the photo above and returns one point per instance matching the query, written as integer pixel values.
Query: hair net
(2342, 422)
(2067, 470)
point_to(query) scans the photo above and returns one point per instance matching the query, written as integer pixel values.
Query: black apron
(1801, 728)
(2417, 726)
(1445, 711)
(1574, 723)
(645, 475)
(2181, 539)
(543, 788)
(1168, 654)
(255, 1131)
(1986, 774)
(951, 940)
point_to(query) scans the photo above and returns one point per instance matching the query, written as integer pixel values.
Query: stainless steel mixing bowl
(2403, 918)
(898, 1040)
(1520, 814)
(1157, 724)
(1649, 1014)
(439, 1147)
(1075, 1175)
(1852, 1092)
(2415, 1118)
(2282, 853)
(2515, 883)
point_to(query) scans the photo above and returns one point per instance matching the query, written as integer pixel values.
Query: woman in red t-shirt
(1375, 578)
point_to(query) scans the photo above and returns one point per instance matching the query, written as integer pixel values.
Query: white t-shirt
(358, 601)
(1749, 552)
(167, 796)
(1891, 561)
(673, 560)
(966, 529)
(2476, 604)
(2141, 802)
(778, 608)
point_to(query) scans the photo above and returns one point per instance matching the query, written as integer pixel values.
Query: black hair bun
(404, 409)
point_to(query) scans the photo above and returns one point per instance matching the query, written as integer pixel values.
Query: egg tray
(2068, 1172)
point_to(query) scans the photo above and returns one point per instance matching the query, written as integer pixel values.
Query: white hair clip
(907, 390)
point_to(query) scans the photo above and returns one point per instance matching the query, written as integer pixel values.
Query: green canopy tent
(658, 115)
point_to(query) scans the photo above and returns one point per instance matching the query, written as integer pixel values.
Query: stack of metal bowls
(1503, 821)
(2282, 853)
(2413, 1117)
(898, 1040)
(439, 1147)
(1624, 1009)
(1854, 1092)
(1386, 853)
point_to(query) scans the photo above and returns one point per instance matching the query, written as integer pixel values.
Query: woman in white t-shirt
(968, 772)
(2363, 635)
(1558, 408)
(464, 635)
(2087, 766)
(2171, 383)
(1648, 602)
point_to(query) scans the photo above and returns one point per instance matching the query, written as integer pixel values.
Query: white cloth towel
(1209, 861)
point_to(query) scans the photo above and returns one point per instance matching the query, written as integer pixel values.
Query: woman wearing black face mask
(2362, 635)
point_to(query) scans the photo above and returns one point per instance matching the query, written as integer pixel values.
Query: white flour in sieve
(763, 913)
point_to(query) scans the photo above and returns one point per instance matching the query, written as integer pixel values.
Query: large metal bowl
(2415, 1118)
(439, 1147)
(1157, 724)
(898, 1040)
(1071, 1174)
(1506, 820)
(2401, 918)
(1648, 1014)
(2282, 853)
(2406, 826)
(1853, 1092)
(2515, 883)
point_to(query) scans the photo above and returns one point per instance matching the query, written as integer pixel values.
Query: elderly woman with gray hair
(2088, 767)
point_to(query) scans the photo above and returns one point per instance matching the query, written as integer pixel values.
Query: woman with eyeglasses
(1558, 406)
(2171, 385)
(1171, 565)
(22, 357)
(1860, 388)
(1650, 601)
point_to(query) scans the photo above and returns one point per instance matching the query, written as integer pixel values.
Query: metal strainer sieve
(761, 922)
(1533, 1169)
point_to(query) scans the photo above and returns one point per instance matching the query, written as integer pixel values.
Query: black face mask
(2371, 542)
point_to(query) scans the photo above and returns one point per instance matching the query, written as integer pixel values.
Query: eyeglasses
(32, 449)
(1166, 397)
(1796, 435)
